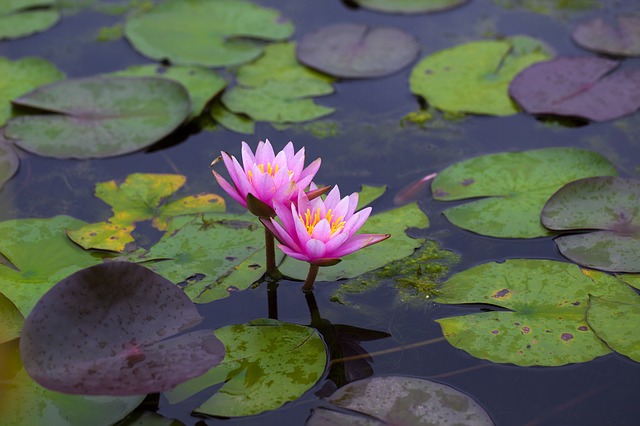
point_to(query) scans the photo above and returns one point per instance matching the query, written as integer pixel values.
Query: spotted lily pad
(547, 319)
(515, 187)
(617, 324)
(211, 256)
(140, 197)
(208, 33)
(409, 6)
(277, 88)
(99, 116)
(610, 206)
(584, 87)
(9, 161)
(201, 83)
(474, 77)
(357, 50)
(397, 400)
(22, 76)
(602, 36)
(39, 255)
(267, 364)
(19, 18)
(114, 329)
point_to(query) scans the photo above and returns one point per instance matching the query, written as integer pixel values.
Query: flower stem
(270, 246)
(311, 278)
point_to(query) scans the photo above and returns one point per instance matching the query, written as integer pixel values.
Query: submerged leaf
(609, 206)
(474, 77)
(112, 329)
(599, 35)
(397, 400)
(267, 364)
(208, 33)
(583, 87)
(20, 18)
(357, 50)
(515, 186)
(547, 319)
(99, 116)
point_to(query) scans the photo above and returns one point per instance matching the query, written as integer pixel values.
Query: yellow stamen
(270, 169)
(311, 220)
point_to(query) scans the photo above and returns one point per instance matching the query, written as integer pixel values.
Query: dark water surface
(372, 148)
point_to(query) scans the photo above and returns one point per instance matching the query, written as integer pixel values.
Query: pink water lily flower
(268, 177)
(321, 231)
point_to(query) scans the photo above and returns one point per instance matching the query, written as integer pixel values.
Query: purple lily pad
(583, 87)
(602, 36)
(110, 329)
(357, 50)
(610, 207)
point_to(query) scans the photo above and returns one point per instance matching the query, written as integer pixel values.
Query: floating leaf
(632, 280)
(112, 329)
(208, 33)
(516, 186)
(551, 7)
(608, 205)
(277, 88)
(39, 255)
(394, 222)
(368, 194)
(601, 36)
(617, 324)
(410, 6)
(582, 87)
(31, 404)
(10, 321)
(99, 116)
(22, 76)
(474, 77)
(547, 319)
(140, 197)
(267, 364)
(357, 50)
(19, 18)
(201, 83)
(235, 122)
(210, 257)
(397, 400)
(9, 160)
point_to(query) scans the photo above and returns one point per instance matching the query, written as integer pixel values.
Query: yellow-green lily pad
(9, 160)
(617, 324)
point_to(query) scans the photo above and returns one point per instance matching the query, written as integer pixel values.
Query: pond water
(365, 142)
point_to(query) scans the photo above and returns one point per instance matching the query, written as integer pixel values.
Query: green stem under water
(311, 278)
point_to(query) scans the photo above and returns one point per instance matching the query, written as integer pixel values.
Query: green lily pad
(397, 400)
(368, 194)
(547, 319)
(201, 83)
(10, 320)
(474, 77)
(140, 197)
(267, 364)
(31, 404)
(19, 18)
(617, 324)
(22, 76)
(40, 255)
(99, 116)
(358, 50)
(602, 36)
(238, 123)
(608, 205)
(9, 160)
(632, 279)
(515, 185)
(208, 33)
(409, 6)
(551, 7)
(277, 88)
(400, 245)
(209, 271)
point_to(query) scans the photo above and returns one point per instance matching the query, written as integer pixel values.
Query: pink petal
(322, 231)
(356, 242)
(309, 173)
(334, 243)
(229, 189)
(248, 159)
(264, 153)
(282, 235)
(356, 221)
(295, 254)
(315, 249)
(333, 198)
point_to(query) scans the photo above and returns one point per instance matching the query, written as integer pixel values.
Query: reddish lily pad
(610, 206)
(111, 330)
(357, 50)
(410, 6)
(602, 36)
(584, 87)
(99, 116)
